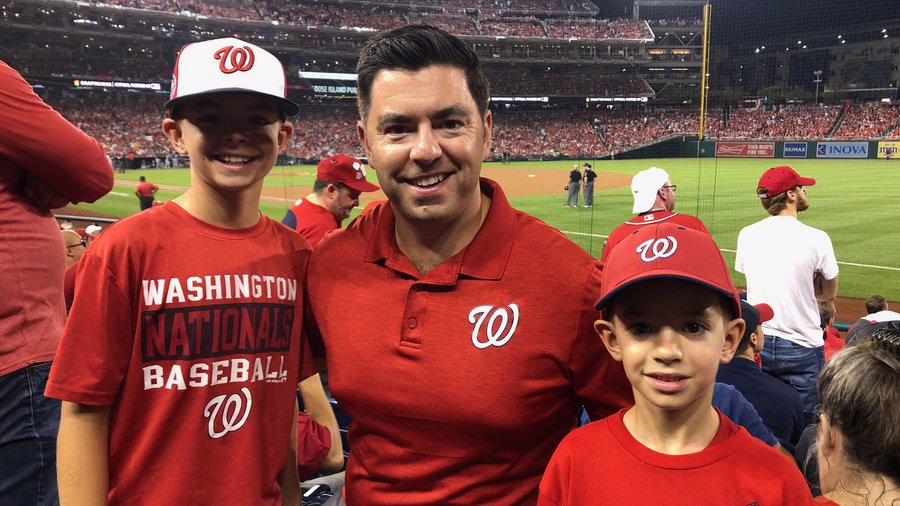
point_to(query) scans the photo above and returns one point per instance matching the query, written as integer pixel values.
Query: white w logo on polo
(654, 249)
(496, 325)
(224, 412)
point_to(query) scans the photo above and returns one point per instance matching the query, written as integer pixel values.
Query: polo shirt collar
(483, 258)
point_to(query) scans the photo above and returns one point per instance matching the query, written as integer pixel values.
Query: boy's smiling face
(670, 335)
(232, 139)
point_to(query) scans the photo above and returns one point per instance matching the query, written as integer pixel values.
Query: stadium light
(818, 74)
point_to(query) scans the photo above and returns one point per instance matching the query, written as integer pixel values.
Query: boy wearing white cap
(180, 359)
(671, 315)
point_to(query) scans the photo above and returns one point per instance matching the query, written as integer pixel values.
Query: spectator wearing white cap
(789, 265)
(340, 179)
(654, 202)
(181, 356)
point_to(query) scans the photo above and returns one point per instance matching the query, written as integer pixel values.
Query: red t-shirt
(192, 333)
(602, 463)
(462, 381)
(313, 221)
(623, 230)
(145, 189)
(833, 342)
(37, 142)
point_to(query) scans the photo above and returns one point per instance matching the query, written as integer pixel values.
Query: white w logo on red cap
(653, 249)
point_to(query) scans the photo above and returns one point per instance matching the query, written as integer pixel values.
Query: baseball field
(853, 201)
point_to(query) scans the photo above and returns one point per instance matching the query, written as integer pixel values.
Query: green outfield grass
(852, 201)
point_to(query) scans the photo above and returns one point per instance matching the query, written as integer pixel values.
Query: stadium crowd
(127, 122)
(509, 18)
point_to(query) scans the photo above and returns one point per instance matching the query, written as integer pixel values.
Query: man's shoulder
(537, 234)
(357, 232)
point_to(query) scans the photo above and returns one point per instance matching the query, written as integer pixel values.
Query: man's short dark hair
(414, 47)
(875, 304)
(142, 178)
(319, 185)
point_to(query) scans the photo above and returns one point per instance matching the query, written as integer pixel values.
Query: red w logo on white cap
(233, 59)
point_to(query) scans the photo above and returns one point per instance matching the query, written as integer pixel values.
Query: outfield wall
(684, 147)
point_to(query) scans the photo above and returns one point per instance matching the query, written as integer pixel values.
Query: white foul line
(853, 264)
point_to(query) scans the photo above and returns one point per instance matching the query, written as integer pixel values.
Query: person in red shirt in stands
(461, 353)
(340, 179)
(654, 202)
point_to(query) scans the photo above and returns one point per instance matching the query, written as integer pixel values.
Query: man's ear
(172, 130)
(488, 125)
(608, 335)
(734, 331)
(361, 133)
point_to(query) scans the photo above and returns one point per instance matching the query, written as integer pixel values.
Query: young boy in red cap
(179, 363)
(671, 315)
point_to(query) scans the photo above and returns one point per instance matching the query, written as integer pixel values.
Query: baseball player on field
(180, 359)
(456, 348)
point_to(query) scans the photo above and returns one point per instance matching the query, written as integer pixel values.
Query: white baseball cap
(228, 65)
(644, 186)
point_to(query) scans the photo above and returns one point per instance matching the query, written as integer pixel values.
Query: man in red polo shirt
(462, 354)
(340, 179)
(654, 202)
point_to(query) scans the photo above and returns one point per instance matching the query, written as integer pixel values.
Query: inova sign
(842, 150)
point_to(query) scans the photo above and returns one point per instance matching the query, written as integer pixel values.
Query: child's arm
(82, 454)
(290, 479)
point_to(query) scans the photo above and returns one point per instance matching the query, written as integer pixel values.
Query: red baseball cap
(666, 250)
(345, 170)
(778, 180)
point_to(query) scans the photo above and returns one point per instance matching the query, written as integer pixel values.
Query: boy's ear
(172, 130)
(284, 134)
(734, 331)
(608, 335)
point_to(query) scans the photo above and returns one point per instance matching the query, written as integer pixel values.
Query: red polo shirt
(310, 220)
(462, 381)
(623, 230)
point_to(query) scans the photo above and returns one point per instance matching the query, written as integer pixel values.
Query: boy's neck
(239, 210)
(679, 432)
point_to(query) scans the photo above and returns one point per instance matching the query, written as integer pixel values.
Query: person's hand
(41, 194)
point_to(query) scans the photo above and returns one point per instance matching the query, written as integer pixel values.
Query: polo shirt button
(411, 323)
(417, 287)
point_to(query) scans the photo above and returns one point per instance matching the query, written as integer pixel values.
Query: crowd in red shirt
(130, 123)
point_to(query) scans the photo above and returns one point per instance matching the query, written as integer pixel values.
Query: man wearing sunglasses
(654, 202)
(789, 265)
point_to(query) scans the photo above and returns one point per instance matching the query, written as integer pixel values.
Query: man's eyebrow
(392, 118)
